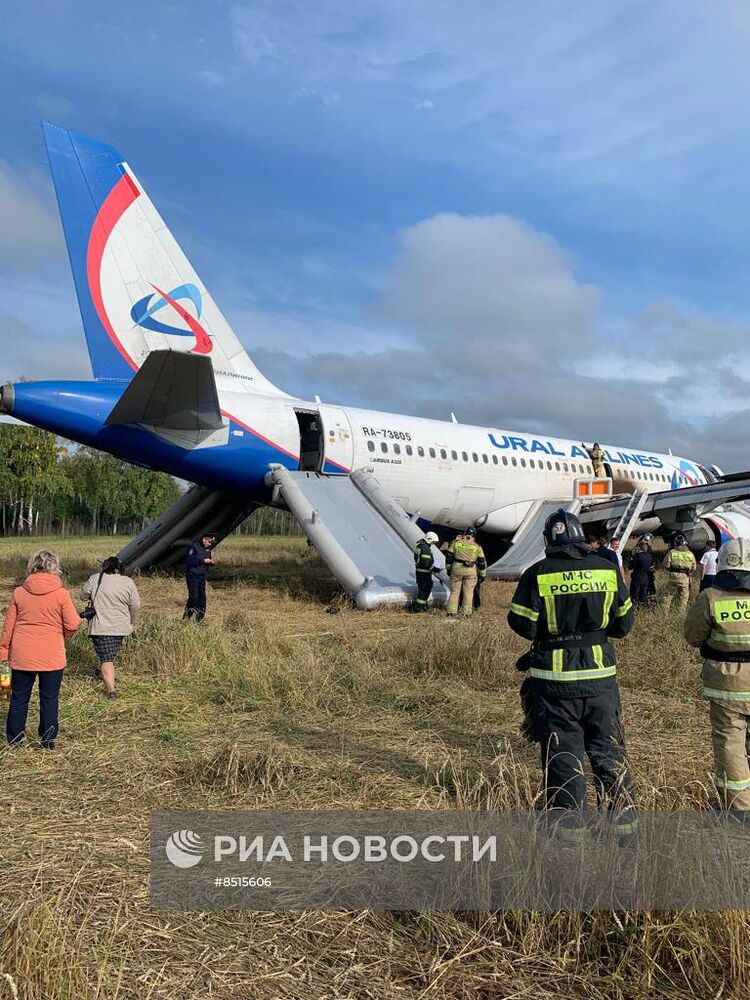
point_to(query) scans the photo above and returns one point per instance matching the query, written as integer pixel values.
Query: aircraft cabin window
(549, 465)
(514, 461)
(532, 463)
(443, 453)
(420, 451)
(523, 463)
(371, 446)
(454, 456)
(485, 460)
(505, 459)
(397, 449)
(409, 450)
(475, 456)
(494, 460)
(464, 456)
(432, 452)
(383, 447)
(565, 466)
(557, 466)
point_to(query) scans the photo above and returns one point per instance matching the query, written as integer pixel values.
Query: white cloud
(29, 353)
(55, 107)
(580, 83)
(210, 78)
(488, 319)
(479, 282)
(29, 231)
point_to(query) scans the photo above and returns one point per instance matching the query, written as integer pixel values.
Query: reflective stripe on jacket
(719, 622)
(570, 608)
(468, 553)
(424, 560)
(680, 560)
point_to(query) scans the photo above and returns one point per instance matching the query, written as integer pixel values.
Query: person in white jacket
(116, 602)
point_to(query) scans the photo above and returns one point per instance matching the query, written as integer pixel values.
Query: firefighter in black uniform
(424, 561)
(199, 558)
(570, 604)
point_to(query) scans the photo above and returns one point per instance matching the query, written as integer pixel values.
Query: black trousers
(424, 589)
(196, 602)
(639, 588)
(572, 729)
(22, 684)
(707, 581)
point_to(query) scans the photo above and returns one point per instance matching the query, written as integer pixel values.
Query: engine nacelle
(734, 522)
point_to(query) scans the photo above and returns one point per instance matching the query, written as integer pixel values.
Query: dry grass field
(277, 704)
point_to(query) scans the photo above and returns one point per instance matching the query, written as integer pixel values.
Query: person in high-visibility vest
(465, 562)
(719, 623)
(680, 565)
(424, 563)
(570, 605)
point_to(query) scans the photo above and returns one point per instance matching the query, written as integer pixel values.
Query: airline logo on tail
(144, 312)
(119, 240)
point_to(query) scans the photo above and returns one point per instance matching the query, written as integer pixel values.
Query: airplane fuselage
(451, 473)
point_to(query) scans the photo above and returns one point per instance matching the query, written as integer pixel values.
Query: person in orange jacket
(41, 615)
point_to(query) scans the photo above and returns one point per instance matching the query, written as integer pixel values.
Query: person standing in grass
(41, 615)
(708, 566)
(199, 558)
(718, 623)
(570, 605)
(641, 567)
(116, 601)
(680, 564)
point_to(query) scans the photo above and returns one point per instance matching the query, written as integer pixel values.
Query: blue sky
(532, 214)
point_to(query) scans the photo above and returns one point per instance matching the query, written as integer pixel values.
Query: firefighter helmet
(735, 555)
(679, 539)
(469, 532)
(431, 537)
(563, 528)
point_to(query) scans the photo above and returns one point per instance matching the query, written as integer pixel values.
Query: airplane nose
(7, 397)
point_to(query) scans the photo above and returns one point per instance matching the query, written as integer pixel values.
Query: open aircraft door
(338, 443)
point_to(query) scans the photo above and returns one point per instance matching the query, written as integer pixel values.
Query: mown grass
(276, 703)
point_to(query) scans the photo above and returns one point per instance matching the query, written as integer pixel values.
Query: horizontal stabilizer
(172, 392)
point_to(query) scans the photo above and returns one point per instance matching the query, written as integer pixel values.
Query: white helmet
(431, 537)
(735, 555)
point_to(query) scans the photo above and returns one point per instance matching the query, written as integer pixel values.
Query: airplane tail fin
(136, 289)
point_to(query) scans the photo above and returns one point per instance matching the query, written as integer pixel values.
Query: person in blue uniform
(199, 559)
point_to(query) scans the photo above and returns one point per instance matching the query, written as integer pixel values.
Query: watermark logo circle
(184, 848)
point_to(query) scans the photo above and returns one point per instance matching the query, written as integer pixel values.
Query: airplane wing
(676, 508)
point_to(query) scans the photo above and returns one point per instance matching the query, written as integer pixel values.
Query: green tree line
(51, 487)
(48, 487)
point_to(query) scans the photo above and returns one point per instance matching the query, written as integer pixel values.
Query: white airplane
(174, 390)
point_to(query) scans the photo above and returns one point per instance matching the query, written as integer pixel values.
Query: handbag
(89, 612)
